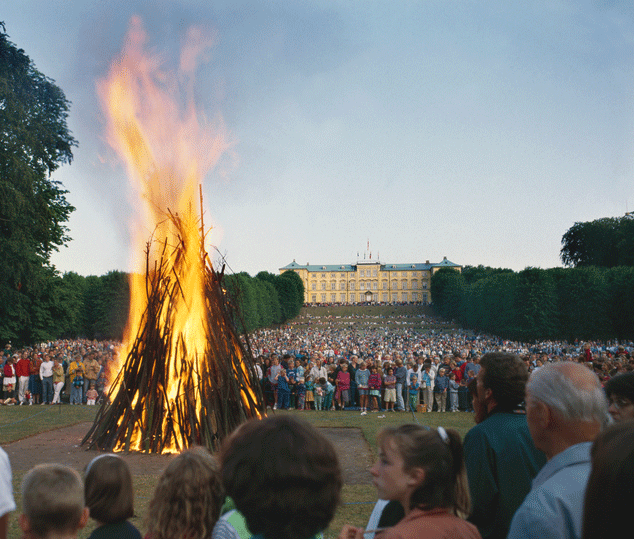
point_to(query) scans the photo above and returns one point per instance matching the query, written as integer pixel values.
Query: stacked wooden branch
(210, 396)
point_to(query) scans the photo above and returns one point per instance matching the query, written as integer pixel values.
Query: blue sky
(479, 131)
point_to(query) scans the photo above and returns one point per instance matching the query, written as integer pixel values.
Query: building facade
(368, 281)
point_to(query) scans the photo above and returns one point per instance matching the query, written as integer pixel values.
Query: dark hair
(445, 484)
(608, 497)
(108, 490)
(283, 476)
(621, 385)
(506, 376)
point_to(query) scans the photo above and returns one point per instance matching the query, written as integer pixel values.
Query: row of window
(385, 297)
(366, 273)
(369, 286)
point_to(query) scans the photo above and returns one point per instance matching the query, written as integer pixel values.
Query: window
(351, 285)
(384, 297)
(404, 285)
(374, 272)
(384, 285)
(314, 298)
(425, 285)
(342, 285)
(414, 285)
(375, 285)
(352, 296)
(343, 298)
(394, 286)
(333, 298)
(414, 296)
(424, 298)
(332, 275)
(313, 286)
(361, 285)
(333, 286)
(404, 296)
(323, 286)
(323, 298)
(323, 275)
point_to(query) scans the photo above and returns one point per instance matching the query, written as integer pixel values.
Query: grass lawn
(18, 422)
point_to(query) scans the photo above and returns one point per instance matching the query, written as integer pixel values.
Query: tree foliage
(34, 142)
(607, 243)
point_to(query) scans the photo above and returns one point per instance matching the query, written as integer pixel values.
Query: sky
(477, 131)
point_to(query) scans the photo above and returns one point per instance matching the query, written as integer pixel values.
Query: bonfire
(186, 377)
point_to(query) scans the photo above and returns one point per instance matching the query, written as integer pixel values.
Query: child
(283, 477)
(390, 389)
(374, 385)
(91, 394)
(414, 386)
(441, 385)
(77, 387)
(422, 469)
(329, 391)
(343, 386)
(110, 498)
(52, 503)
(300, 391)
(187, 499)
(454, 386)
(310, 393)
(319, 397)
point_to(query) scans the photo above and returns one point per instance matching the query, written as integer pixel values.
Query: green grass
(17, 422)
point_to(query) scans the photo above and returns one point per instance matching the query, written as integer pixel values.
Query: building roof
(332, 268)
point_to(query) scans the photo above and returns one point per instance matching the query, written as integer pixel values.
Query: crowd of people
(550, 455)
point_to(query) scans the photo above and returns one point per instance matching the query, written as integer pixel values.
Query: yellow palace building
(368, 281)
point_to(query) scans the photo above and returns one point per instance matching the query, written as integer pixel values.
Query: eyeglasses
(619, 402)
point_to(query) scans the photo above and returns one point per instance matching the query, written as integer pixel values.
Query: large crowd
(551, 453)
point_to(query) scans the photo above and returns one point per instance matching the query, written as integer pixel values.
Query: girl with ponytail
(423, 469)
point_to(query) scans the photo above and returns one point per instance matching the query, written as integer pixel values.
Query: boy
(52, 503)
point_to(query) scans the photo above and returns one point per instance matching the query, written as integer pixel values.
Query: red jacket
(9, 370)
(23, 367)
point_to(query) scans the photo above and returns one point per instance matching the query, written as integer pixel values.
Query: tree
(34, 142)
(447, 289)
(607, 242)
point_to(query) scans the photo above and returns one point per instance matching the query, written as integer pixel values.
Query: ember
(187, 378)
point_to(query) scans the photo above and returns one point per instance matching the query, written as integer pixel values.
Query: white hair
(572, 395)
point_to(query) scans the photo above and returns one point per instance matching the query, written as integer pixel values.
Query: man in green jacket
(500, 456)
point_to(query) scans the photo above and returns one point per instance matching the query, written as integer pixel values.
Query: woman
(422, 469)
(58, 380)
(187, 500)
(620, 393)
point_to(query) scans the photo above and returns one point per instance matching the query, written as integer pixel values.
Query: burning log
(176, 390)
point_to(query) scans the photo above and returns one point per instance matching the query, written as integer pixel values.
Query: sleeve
(529, 522)
(480, 464)
(7, 503)
(224, 530)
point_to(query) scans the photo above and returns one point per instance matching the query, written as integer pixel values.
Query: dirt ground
(63, 446)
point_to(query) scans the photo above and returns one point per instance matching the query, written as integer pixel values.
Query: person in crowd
(362, 376)
(343, 387)
(22, 371)
(566, 410)
(283, 390)
(620, 392)
(441, 390)
(427, 382)
(58, 380)
(311, 395)
(401, 381)
(92, 395)
(422, 469)
(608, 497)
(374, 388)
(91, 373)
(414, 387)
(283, 477)
(7, 503)
(77, 386)
(35, 382)
(52, 503)
(187, 499)
(454, 387)
(110, 498)
(390, 389)
(46, 376)
(300, 392)
(500, 456)
(8, 382)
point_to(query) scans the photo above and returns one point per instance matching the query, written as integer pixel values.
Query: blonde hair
(187, 500)
(52, 499)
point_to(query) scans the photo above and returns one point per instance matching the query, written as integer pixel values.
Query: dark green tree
(447, 290)
(606, 242)
(34, 142)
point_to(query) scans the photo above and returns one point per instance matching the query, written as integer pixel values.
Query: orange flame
(168, 149)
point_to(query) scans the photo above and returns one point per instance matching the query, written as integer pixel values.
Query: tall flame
(153, 125)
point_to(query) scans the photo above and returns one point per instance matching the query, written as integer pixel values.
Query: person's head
(390, 371)
(108, 489)
(322, 380)
(441, 372)
(52, 502)
(188, 497)
(620, 393)
(565, 405)
(283, 476)
(421, 467)
(608, 497)
(501, 381)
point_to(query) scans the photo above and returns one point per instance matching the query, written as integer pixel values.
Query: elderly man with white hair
(566, 409)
